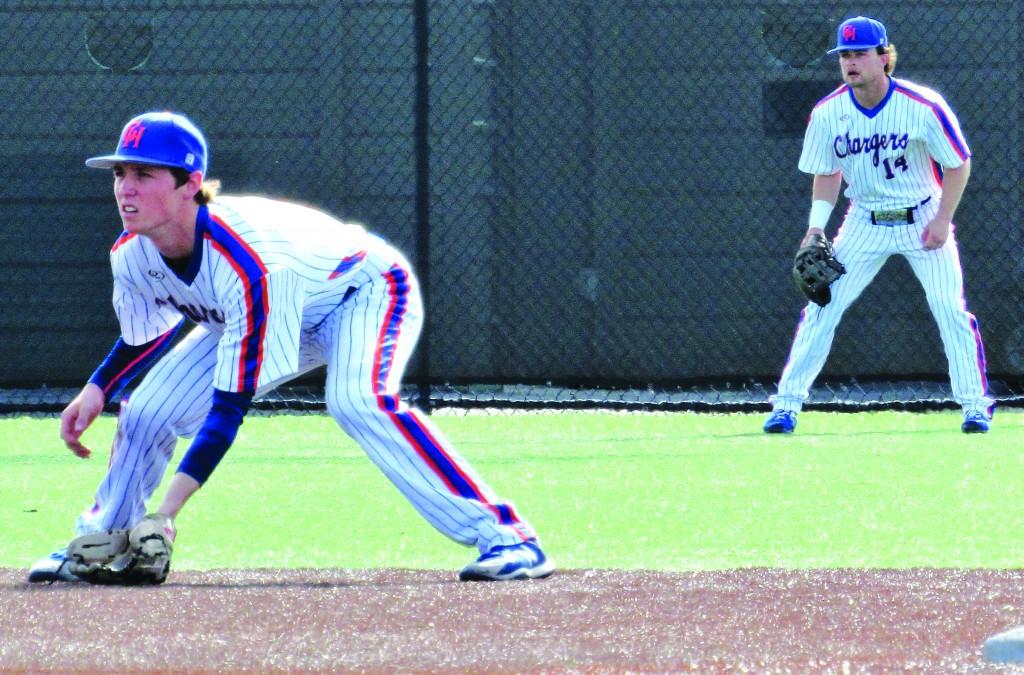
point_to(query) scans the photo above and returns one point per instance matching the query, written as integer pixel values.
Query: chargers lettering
(875, 143)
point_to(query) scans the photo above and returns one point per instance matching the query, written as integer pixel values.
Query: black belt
(894, 216)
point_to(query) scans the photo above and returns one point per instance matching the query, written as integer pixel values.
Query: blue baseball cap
(858, 33)
(158, 138)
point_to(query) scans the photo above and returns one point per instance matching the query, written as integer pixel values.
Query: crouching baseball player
(274, 289)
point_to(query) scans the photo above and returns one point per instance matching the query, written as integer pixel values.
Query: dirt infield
(578, 620)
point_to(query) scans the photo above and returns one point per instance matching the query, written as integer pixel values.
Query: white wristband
(820, 211)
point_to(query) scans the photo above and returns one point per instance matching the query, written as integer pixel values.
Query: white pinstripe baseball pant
(863, 247)
(366, 343)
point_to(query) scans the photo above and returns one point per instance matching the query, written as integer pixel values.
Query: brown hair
(206, 193)
(891, 51)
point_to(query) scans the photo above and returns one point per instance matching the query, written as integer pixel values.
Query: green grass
(673, 492)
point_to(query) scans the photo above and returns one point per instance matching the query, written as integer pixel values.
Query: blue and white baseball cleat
(975, 422)
(507, 563)
(53, 567)
(780, 422)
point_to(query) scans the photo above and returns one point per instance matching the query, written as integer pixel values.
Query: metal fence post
(421, 29)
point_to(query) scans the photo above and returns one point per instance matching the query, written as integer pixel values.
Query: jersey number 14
(891, 164)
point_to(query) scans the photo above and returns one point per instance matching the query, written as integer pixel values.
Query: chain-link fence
(599, 196)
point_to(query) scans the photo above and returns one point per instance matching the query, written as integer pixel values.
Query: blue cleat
(507, 563)
(975, 422)
(780, 422)
(53, 567)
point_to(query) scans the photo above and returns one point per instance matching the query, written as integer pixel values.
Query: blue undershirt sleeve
(216, 435)
(126, 361)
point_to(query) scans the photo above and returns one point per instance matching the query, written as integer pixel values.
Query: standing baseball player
(906, 163)
(274, 289)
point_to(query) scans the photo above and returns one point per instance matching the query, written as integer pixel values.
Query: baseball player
(273, 289)
(905, 161)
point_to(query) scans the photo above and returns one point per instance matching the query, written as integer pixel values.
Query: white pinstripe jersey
(892, 155)
(262, 271)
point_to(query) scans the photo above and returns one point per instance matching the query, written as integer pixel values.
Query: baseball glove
(137, 557)
(815, 268)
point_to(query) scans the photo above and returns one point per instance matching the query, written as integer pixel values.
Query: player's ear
(886, 57)
(193, 184)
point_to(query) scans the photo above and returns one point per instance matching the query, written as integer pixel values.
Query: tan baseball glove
(137, 557)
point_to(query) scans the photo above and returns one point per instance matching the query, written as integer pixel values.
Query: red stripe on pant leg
(438, 447)
(403, 418)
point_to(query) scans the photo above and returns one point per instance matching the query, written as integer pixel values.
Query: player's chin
(131, 224)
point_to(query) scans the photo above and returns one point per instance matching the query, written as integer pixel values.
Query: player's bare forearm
(827, 188)
(77, 417)
(954, 181)
(824, 194)
(180, 489)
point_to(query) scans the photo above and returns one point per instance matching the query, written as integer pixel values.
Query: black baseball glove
(815, 268)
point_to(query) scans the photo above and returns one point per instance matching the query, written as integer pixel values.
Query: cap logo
(190, 159)
(849, 33)
(133, 135)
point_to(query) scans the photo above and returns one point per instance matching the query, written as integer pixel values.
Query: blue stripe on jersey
(123, 239)
(196, 259)
(825, 100)
(347, 263)
(252, 272)
(836, 92)
(947, 126)
(125, 362)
